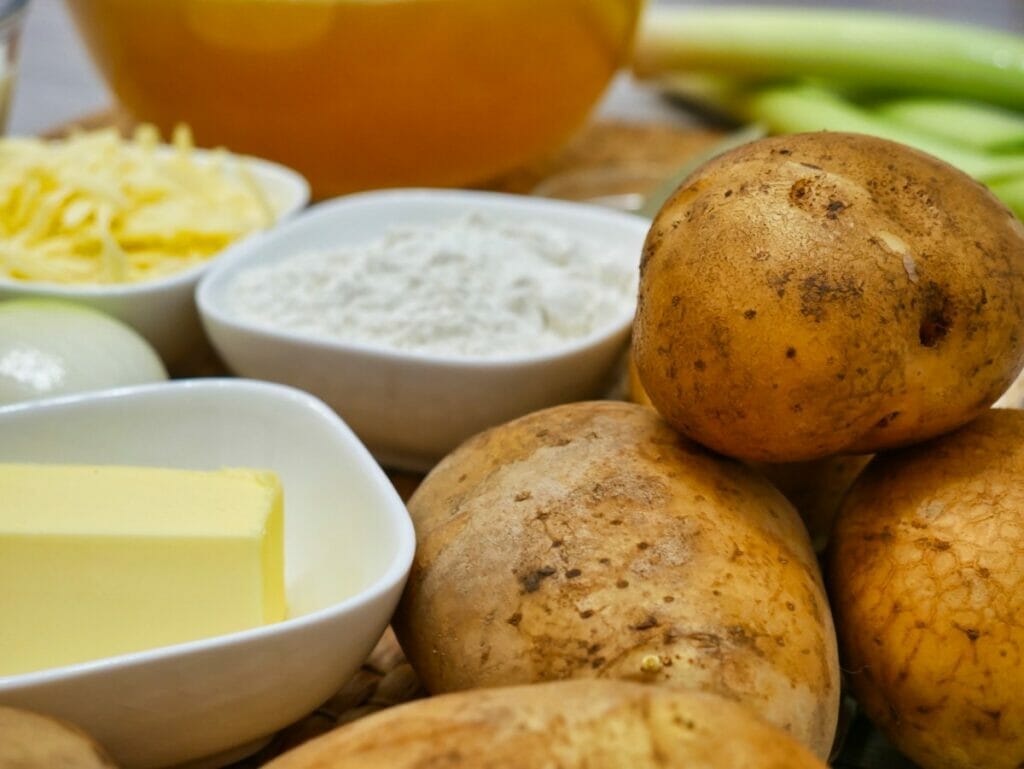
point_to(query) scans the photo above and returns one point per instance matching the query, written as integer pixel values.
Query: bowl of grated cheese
(426, 316)
(128, 226)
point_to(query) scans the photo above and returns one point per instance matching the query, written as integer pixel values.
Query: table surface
(57, 82)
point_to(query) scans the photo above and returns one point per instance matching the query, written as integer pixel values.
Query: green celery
(800, 108)
(879, 51)
(1011, 192)
(982, 126)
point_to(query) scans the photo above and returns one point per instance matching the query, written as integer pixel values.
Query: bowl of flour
(425, 316)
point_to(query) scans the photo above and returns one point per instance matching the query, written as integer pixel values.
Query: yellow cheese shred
(98, 209)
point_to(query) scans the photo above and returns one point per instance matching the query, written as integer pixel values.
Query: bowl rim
(238, 255)
(271, 173)
(392, 576)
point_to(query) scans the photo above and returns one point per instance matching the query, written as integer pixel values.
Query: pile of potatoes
(611, 584)
(608, 584)
(875, 306)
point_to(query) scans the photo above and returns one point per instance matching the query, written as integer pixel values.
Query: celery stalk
(800, 108)
(981, 126)
(877, 50)
(1011, 192)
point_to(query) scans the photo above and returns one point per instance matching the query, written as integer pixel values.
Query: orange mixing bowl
(357, 94)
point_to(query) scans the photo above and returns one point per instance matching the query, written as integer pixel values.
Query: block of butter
(100, 561)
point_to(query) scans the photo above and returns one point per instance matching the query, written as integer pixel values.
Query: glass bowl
(360, 94)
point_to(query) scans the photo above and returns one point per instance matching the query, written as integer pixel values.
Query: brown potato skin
(815, 487)
(926, 578)
(32, 741)
(634, 387)
(558, 725)
(591, 540)
(828, 293)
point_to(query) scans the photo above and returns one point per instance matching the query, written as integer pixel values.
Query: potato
(926, 575)
(32, 741)
(828, 293)
(634, 387)
(558, 725)
(590, 540)
(815, 487)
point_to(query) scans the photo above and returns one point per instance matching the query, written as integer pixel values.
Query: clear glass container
(360, 94)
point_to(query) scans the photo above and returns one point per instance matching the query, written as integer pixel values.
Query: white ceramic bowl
(163, 310)
(348, 547)
(413, 408)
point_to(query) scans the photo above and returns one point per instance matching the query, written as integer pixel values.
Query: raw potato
(828, 293)
(560, 725)
(815, 487)
(927, 577)
(33, 741)
(635, 388)
(590, 540)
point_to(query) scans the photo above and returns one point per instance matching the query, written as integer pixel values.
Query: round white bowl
(413, 408)
(348, 548)
(163, 310)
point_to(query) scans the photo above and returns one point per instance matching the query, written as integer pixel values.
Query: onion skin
(50, 348)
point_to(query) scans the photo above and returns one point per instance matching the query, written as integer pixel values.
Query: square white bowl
(413, 408)
(164, 310)
(348, 548)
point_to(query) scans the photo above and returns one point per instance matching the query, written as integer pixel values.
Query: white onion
(50, 348)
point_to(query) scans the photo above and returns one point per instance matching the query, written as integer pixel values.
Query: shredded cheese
(94, 208)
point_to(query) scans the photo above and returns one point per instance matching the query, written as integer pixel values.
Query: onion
(50, 348)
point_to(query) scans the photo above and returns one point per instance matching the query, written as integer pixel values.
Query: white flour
(474, 286)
